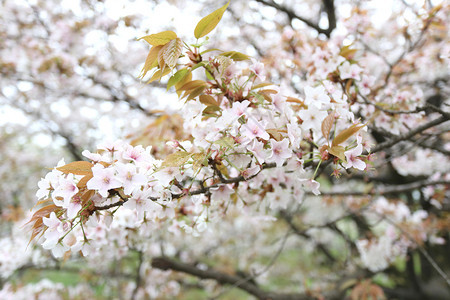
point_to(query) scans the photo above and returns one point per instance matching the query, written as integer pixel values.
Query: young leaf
(172, 52)
(226, 142)
(347, 52)
(177, 77)
(208, 100)
(83, 181)
(211, 111)
(275, 134)
(196, 92)
(161, 38)
(199, 161)
(187, 78)
(77, 168)
(192, 85)
(261, 85)
(346, 134)
(151, 61)
(236, 56)
(159, 74)
(337, 151)
(208, 23)
(176, 159)
(327, 124)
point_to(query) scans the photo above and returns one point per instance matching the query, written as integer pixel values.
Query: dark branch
(329, 9)
(165, 263)
(409, 134)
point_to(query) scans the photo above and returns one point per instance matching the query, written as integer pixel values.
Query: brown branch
(138, 275)
(288, 218)
(389, 189)
(329, 8)
(165, 263)
(409, 134)
(421, 249)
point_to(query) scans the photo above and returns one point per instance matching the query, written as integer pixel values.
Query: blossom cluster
(251, 132)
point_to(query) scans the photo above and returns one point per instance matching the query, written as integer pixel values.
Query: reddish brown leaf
(346, 134)
(77, 168)
(327, 124)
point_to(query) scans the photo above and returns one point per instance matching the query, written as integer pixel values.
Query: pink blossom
(53, 232)
(253, 129)
(66, 189)
(353, 160)
(257, 148)
(279, 102)
(221, 193)
(280, 151)
(348, 70)
(130, 178)
(73, 206)
(316, 96)
(312, 185)
(136, 154)
(258, 69)
(104, 180)
(141, 202)
(312, 118)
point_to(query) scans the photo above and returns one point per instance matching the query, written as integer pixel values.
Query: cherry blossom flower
(47, 184)
(221, 192)
(103, 180)
(279, 102)
(231, 115)
(65, 189)
(257, 148)
(316, 96)
(129, 177)
(312, 185)
(53, 232)
(294, 134)
(253, 129)
(140, 202)
(73, 206)
(279, 199)
(348, 70)
(258, 69)
(137, 154)
(312, 118)
(280, 151)
(353, 160)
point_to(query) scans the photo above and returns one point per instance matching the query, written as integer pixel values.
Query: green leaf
(208, 100)
(196, 92)
(226, 142)
(159, 74)
(236, 56)
(208, 23)
(161, 38)
(177, 77)
(151, 61)
(211, 110)
(200, 64)
(337, 151)
(176, 159)
(199, 161)
(210, 50)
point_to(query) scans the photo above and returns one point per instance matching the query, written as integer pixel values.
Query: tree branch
(165, 263)
(410, 134)
(329, 8)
